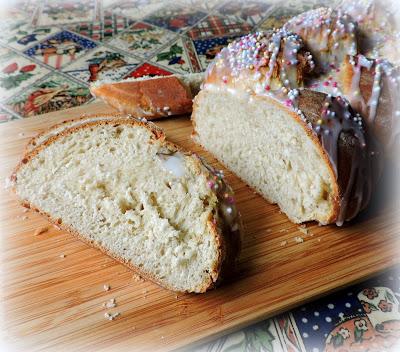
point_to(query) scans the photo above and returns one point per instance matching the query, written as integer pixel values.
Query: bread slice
(121, 187)
(304, 150)
(58, 128)
(151, 97)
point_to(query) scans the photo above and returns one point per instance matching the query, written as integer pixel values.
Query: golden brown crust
(228, 249)
(150, 98)
(32, 143)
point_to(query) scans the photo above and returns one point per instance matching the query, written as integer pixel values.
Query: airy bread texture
(305, 150)
(269, 148)
(151, 97)
(121, 187)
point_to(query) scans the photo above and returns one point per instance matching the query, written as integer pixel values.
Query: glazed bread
(370, 85)
(378, 29)
(304, 150)
(329, 35)
(121, 187)
(372, 88)
(150, 97)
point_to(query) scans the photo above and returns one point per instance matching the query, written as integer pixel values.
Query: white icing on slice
(174, 163)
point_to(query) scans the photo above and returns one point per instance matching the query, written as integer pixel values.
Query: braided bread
(370, 85)
(328, 34)
(307, 151)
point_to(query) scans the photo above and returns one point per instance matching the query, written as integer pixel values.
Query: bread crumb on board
(40, 230)
(138, 278)
(106, 287)
(62, 255)
(303, 230)
(111, 303)
(283, 243)
(298, 239)
(111, 316)
(7, 183)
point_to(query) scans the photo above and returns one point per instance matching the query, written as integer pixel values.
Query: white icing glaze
(173, 163)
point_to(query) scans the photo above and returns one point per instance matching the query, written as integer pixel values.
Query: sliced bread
(151, 97)
(121, 187)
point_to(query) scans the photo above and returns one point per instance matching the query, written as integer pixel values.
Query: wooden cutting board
(52, 284)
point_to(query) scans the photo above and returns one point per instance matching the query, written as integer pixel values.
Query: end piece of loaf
(121, 187)
(151, 97)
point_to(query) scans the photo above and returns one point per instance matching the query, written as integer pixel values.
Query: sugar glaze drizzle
(330, 35)
(383, 72)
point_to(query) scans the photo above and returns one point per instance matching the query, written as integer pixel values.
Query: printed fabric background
(50, 51)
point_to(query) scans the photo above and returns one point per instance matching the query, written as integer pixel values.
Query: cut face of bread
(121, 187)
(266, 146)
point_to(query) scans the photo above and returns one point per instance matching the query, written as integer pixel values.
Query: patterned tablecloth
(51, 50)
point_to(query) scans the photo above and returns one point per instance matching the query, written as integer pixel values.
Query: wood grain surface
(52, 284)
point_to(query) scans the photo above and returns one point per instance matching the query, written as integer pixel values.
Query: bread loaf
(119, 186)
(150, 97)
(304, 150)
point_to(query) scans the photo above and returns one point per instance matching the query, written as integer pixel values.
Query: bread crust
(32, 143)
(328, 34)
(228, 245)
(151, 98)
